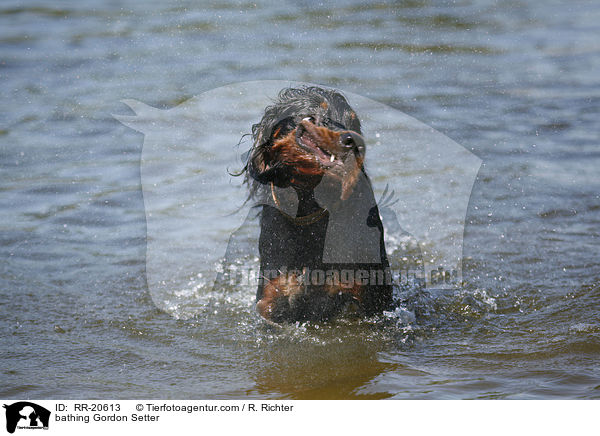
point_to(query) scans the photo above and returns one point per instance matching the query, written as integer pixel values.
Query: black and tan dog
(321, 242)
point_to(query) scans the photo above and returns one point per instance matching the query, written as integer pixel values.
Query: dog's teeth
(332, 158)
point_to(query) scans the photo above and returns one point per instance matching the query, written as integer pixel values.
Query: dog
(321, 244)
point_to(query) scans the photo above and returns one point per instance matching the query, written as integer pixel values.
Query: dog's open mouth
(322, 143)
(311, 151)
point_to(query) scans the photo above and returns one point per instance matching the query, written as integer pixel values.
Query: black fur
(292, 244)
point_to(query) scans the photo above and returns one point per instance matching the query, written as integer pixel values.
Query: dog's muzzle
(330, 147)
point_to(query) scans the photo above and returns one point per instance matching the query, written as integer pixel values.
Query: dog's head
(308, 134)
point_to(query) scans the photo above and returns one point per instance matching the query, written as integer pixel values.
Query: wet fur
(279, 159)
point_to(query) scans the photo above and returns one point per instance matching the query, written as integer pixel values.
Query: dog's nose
(352, 141)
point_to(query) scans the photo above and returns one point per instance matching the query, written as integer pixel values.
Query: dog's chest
(286, 244)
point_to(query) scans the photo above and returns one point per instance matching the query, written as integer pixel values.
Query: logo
(26, 415)
(201, 226)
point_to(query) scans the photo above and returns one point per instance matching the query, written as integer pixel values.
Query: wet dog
(321, 245)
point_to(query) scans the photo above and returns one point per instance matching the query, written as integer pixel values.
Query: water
(516, 84)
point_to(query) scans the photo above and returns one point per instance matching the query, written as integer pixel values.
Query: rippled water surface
(515, 83)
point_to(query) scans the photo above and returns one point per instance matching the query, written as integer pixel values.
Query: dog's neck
(306, 203)
(297, 205)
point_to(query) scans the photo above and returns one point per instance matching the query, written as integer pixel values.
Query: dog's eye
(283, 127)
(309, 119)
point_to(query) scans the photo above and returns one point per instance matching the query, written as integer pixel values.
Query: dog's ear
(352, 169)
(262, 166)
(353, 164)
(264, 171)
